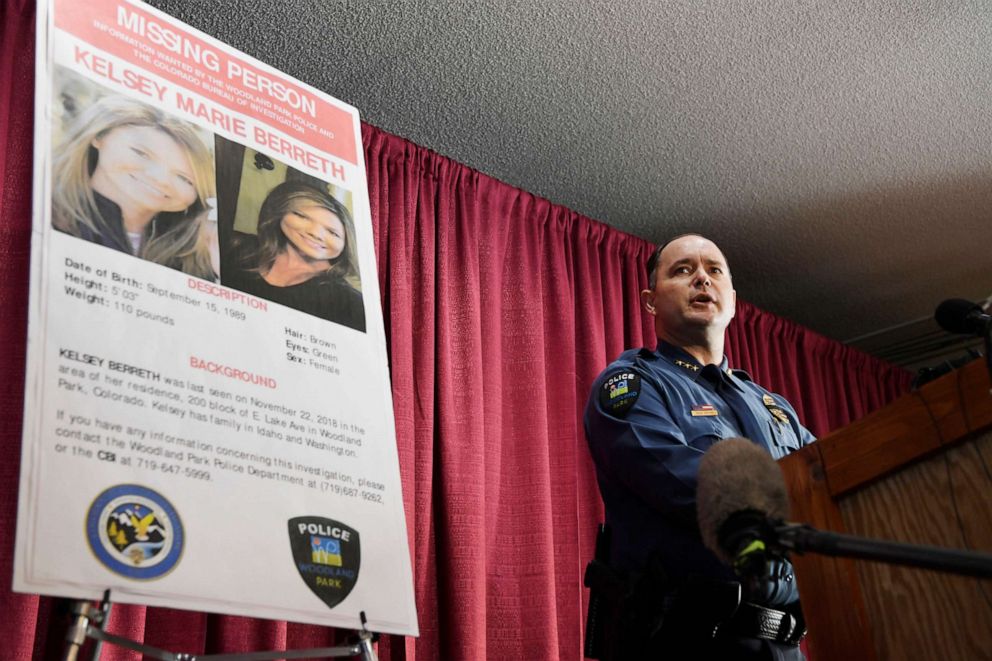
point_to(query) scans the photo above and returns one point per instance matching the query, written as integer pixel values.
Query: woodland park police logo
(135, 532)
(327, 555)
(619, 392)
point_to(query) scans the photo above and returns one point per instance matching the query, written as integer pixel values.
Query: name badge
(703, 410)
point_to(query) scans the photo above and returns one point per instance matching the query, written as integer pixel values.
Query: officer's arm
(804, 435)
(639, 444)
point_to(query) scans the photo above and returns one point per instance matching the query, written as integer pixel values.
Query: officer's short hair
(656, 255)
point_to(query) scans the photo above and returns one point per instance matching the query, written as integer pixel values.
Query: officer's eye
(682, 270)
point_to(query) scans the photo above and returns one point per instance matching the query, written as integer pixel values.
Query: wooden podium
(917, 471)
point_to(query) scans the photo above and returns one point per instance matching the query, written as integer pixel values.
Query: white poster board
(208, 421)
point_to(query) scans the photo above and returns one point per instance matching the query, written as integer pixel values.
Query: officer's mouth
(702, 299)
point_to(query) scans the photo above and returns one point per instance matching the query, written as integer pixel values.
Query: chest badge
(703, 410)
(774, 409)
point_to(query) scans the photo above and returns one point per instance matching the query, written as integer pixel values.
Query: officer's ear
(647, 298)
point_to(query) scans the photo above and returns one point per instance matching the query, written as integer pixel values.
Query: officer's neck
(704, 348)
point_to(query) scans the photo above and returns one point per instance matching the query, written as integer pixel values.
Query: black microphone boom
(741, 504)
(801, 538)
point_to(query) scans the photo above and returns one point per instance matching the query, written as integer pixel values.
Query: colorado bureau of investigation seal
(135, 532)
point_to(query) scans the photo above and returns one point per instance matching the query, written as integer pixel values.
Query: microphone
(740, 496)
(956, 315)
(741, 503)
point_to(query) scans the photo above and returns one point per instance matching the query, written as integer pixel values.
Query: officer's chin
(701, 316)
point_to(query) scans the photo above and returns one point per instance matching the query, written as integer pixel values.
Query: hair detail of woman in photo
(304, 255)
(132, 178)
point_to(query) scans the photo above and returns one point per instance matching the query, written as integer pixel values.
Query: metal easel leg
(89, 620)
(365, 640)
(101, 622)
(75, 637)
(84, 614)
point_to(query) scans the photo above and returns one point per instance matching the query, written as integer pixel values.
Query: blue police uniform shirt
(650, 417)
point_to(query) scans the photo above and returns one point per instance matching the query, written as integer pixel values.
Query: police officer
(650, 417)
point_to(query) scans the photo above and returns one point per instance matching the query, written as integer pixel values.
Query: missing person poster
(208, 421)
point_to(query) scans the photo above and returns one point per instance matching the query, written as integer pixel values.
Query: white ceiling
(839, 152)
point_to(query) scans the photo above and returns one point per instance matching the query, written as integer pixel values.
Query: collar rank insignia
(770, 404)
(689, 366)
(703, 410)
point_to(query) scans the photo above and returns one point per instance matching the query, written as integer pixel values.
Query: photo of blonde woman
(132, 178)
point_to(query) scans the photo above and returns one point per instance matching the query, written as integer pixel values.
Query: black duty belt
(754, 621)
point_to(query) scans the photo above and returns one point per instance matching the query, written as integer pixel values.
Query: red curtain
(500, 309)
(829, 384)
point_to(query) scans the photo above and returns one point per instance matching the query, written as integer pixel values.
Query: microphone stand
(801, 538)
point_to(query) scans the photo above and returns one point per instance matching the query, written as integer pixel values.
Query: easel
(89, 620)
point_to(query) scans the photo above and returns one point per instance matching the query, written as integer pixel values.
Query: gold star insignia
(688, 366)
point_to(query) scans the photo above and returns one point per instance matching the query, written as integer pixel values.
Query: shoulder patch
(619, 391)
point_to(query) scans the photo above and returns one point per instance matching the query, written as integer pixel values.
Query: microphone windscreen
(737, 475)
(952, 315)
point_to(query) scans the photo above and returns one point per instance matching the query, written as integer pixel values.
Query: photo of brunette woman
(303, 255)
(129, 177)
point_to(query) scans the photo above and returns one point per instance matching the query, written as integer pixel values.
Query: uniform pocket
(701, 433)
(783, 437)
